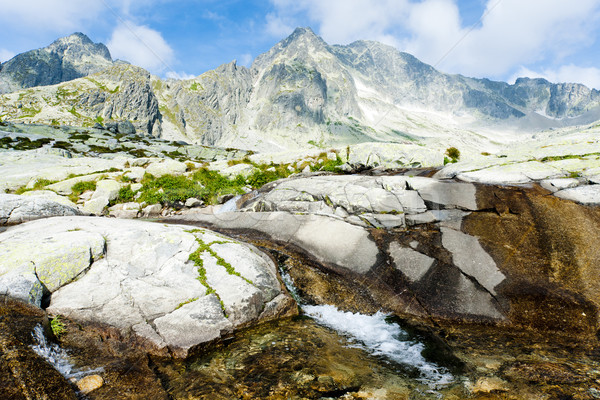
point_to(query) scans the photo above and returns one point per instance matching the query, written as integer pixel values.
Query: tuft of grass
(38, 185)
(57, 326)
(80, 187)
(186, 302)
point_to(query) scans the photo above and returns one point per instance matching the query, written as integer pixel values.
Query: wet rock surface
(23, 373)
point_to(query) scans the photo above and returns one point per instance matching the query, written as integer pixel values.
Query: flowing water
(57, 356)
(325, 354)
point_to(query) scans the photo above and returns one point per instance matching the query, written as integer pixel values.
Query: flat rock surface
(138, 277)
(329, 240)
(582, 194)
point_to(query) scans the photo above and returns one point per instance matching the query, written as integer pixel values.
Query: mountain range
(302, 93)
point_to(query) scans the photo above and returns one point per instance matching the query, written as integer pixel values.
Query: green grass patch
(57, 326)
(80, 187)
(40, 184)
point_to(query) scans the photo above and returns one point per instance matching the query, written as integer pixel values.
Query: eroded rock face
(170, 286)
(447, 252)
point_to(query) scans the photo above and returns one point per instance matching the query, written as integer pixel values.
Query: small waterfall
(57, 357)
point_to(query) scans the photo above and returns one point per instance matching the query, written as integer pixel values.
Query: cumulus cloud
(6, 55)
(141, 46)
(589, 76)
(339, 21)
(510, 34)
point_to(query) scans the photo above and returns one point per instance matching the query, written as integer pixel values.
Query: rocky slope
(303, 93)
(66, 59)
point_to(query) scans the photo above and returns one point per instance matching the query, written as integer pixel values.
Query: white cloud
(182, 76)
(511, 33)
(339, 21)
(6, 55)
(141, 46)
(589, 76)
(49, 15)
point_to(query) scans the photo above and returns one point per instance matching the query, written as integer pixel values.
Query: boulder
(15, 209)
(558, 184)
(52, 196)
(95, 206)
(125, 127)
(107, 188)
(242, 169)
(193, 202)
(65, 187)
(173, 286)
(166, 167)
(513, 257)
(151, 211)
(135, 173)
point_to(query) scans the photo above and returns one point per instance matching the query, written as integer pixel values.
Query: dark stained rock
(23, 373)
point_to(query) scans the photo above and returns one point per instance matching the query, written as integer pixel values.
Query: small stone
(90, 383)
(151, 211)
(193, 202)
(271, 169)
(136, 187)
(489, 385)
(306, 170)
(332, 156)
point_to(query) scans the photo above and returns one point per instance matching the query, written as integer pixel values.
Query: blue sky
(497, 39)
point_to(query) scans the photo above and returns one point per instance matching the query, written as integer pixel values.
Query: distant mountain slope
(306, 93)
(66, 59)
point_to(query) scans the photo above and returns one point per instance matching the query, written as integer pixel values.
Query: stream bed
(300, 358)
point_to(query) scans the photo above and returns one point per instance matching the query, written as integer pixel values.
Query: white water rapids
(375, 335)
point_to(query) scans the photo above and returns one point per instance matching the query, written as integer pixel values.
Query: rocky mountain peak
(77, 43)
(67, 58)
(302, 45)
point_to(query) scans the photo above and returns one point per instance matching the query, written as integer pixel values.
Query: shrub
(168, 189)
(125, 194)
(453, 153)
